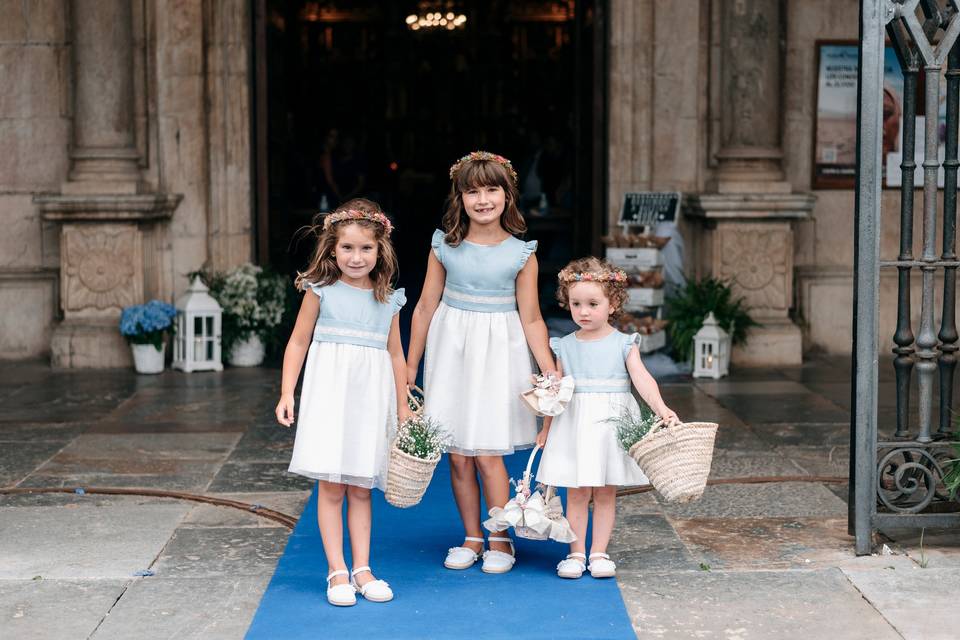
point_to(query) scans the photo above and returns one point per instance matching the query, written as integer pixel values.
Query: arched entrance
(354, 101)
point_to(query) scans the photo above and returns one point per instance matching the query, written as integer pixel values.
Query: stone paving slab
(208, 515)
(111, 542)
(739, 386)
(74, 500)
(940, 548)
(273, 443)
(781, 605)
(221, 552)
(776, 543)
(168, 609)
(192, 405)
(814, 434)
(40, 431)
(784, 499)
(731, 463)
(921, 604)
(818, 461)
(55, 609)
(68, 397)
(798, 407)
(258, 476)
(647, 542)
(19, 460)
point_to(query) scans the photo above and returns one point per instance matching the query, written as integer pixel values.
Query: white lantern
(196, 345)
(711, 350)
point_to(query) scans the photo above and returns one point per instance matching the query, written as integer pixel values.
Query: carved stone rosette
(102, 269)
(757, 258)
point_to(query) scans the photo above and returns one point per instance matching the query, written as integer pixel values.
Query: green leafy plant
(254, 301)
(423, 438)
(687, 309)
(631, 426)
(951, 479)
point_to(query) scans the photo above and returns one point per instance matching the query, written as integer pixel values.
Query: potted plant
(144, 327)
(687, 309)
(253, 301)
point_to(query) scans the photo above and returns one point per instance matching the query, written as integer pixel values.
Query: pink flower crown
(483, 155)
(569, 275)
(354, 214)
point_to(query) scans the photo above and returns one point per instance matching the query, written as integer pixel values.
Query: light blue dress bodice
(482, 277)
(597, 366)
(350, 315)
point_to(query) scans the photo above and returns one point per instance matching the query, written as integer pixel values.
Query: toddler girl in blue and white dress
(581, 451)
(478, 313)
(354, 385)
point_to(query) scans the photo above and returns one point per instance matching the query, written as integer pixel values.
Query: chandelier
(434, 15)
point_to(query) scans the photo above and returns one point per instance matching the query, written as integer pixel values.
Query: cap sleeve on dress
(316, 288)
(528, 248)
(555, 346)
(437, 244)
(397, 300)
(631, 339)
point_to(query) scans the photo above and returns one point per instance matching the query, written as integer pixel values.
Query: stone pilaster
(748, 214)
(108, 225)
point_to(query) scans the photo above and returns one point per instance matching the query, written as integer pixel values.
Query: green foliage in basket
(687, 309)
(422, 437)
(631, 426)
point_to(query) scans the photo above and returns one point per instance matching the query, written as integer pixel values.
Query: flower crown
(354, 214)
(569, 275)
(483, 155)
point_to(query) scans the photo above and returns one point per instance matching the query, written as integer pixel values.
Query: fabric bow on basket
(533, 515)
(549, 395)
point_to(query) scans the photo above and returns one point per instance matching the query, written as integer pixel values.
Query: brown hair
(616, 292)
(481, 173)
(323, 270)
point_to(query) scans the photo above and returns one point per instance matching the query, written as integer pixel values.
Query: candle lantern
(711, 350)
(196, 346)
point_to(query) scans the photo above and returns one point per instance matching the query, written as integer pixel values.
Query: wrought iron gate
(896, 470)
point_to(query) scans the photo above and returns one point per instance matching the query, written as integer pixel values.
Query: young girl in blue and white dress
(478, 313)
(581, 450)
(354, 385)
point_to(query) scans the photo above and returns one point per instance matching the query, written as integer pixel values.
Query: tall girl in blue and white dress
(478, 313)
(581, 451)
(354, 385)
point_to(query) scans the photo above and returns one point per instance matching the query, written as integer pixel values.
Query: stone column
(107, 224)
(104, 156)
(748, 213)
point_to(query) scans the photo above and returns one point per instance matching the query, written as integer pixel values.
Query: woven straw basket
(677, 458)
(408, 476)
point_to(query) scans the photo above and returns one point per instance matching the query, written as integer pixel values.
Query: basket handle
(415, 403)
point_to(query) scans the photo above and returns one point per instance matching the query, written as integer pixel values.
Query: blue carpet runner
(407, 550)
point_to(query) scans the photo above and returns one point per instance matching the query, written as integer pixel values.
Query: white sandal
(499, 561)
(341, 595)
(602, 568)
(463, 557)
(375, 590)
(572, 566)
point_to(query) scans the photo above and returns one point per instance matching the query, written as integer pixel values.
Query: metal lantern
(711, 350)
(196, 345)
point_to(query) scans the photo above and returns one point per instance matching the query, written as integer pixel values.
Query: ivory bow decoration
(549, 396)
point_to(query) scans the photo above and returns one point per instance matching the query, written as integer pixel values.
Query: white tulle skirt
(582, 448)
(347, 415)
(476, 366)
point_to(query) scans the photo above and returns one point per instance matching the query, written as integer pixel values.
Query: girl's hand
(284, 410)
(411, 376)
(404, 413)
(668, 416)
(542, 437)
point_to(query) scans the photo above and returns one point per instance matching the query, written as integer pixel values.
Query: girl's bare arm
(395, 348)
(647, 387)
(294, 354)
(423, 314)
(534, 328)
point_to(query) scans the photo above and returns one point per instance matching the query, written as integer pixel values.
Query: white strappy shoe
(375, 590)
(572, 566)
(341, 595)
(602, 567)
(462, 557)
(499, 561)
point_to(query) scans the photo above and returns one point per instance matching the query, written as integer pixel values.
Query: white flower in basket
(532, 514)
(549, 395)
(414, 454)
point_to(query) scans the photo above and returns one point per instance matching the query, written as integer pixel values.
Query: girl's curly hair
(616, 292)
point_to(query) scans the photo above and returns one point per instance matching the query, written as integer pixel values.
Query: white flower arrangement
(422, 437)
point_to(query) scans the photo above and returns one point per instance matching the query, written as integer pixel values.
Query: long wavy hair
(616, 292)
(474, 174)
(322, 268)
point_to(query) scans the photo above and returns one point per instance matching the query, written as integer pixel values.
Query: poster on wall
(835, 137)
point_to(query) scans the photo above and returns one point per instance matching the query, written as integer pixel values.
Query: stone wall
(191, 106)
